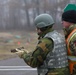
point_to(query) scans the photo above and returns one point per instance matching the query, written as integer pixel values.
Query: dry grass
(16, 39)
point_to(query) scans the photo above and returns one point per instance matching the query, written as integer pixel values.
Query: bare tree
(19, 14)
(27, 13)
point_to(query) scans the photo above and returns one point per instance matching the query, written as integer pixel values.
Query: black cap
(69, 16)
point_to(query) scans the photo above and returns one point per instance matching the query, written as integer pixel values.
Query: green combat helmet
(43, 20)
(70, 7)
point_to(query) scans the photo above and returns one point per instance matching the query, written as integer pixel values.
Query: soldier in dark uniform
(69, 24)
(50, 55)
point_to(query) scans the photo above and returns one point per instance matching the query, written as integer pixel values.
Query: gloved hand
(19, 51)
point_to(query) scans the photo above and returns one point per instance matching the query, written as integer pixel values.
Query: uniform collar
(69, 30)
(45, 32)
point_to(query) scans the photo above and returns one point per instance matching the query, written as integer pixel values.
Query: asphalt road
(16, 66)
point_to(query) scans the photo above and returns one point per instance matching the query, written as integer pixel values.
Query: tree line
(20, 14)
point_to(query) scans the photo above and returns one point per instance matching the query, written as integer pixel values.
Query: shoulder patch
(45, 43)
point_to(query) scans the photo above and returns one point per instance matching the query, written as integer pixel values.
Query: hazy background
(16, 22)
(17, 30)
(20, 14)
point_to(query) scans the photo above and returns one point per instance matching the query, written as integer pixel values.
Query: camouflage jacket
(36, 58)
(72, 42)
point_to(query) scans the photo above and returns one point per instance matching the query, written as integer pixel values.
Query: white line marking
(14, 68)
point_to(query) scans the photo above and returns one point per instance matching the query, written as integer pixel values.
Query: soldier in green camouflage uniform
(69, 24)
(49, 56)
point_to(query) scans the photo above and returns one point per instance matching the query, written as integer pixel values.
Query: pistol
(15, 50)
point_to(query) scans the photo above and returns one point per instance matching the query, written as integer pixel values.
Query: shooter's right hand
(19, 51)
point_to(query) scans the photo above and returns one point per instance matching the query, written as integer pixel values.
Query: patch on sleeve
(42, 45)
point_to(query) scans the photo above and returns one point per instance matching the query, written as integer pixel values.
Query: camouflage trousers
(74, 70)
(59, 71)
